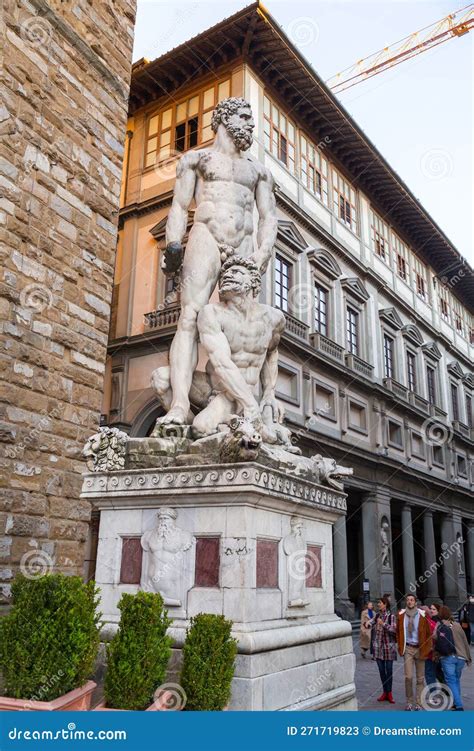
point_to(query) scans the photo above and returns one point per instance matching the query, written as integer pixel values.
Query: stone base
(289, 658)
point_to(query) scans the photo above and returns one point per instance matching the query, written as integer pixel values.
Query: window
(278, 134)
(458, 317)
(320, 310)
(324, 400)
(438, 455)
(184, 125)
(462, 465)
(344, 201)
(444, 303)
(357, 416)
(420, 279)
(282, 282)
(388, 355)
(352, 331)
(380, 237)
(469, 410)
(411, 371)
(395, 435)
(402, 255)
(454, 401)
(431, 384)
(314, 170)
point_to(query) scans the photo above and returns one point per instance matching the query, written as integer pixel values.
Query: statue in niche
(385, 542)
(165, 546)
(294, 547)
(226, 183)
(459, 553)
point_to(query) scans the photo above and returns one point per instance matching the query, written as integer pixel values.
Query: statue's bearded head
(165, 520)
(236, 117)
(239, 276)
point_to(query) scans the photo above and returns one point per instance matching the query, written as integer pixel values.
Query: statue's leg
(199, 276)
(217, 411)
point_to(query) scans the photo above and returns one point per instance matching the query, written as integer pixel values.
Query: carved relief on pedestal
(294, 547)
(165, 548)
(459, 553)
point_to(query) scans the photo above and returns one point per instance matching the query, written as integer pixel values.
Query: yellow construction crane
(454, 25)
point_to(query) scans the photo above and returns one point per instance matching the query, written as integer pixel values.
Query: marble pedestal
(293, 654)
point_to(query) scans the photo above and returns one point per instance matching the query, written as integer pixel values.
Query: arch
(325, 262)
(144, 421)
(412, 332)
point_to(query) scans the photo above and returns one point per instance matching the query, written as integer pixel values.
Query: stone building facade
(63, 110)
(376, 360)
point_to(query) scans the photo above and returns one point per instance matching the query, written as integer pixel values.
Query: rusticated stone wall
(63, 105)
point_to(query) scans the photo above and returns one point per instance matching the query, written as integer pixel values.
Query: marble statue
(240, 337)
(385, 542)
(294, 546)
(105, 450)
(225, 183)
(459, 553)
(164, 547)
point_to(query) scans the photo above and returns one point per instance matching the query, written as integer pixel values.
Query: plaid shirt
(384, 643)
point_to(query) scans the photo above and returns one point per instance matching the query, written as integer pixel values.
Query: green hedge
(50, 638)
(138, 654)
(208, 662)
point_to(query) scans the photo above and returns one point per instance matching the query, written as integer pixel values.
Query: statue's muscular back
(225, 196)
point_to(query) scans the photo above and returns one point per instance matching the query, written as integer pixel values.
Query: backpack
(445, 640)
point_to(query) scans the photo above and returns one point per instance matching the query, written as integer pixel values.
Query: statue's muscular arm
(226, 371)
(186, 174)
(268, 222)
(269, 373)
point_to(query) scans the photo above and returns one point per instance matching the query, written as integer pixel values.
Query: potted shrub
(48, 644)
(208, 662)
(138, 654)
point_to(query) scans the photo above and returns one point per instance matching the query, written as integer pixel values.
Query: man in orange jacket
(414, 645)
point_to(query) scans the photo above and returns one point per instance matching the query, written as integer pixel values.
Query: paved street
(369, 687)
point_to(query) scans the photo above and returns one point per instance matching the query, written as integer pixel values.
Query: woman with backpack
(384, 646)
(453, 650)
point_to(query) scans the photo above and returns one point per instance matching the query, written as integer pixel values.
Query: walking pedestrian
(414, 645)
(384, 646)
(471, 617)
(454, 653)
(434, 609)
(365, 628)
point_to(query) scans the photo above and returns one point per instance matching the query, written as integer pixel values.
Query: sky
(419, 114)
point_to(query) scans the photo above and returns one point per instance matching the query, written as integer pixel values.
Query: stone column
(460, 557)
(469, 549)
(409, 573)
(431, 566)
(450, 579)
(375, 513)
(341, 580)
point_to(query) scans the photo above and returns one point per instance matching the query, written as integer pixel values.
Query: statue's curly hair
(247, 263)
(226, 109)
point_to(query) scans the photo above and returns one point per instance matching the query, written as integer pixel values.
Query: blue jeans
(452, 669)
(430, 672)
(386, 671)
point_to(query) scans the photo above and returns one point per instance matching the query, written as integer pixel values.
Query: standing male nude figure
(226, 183)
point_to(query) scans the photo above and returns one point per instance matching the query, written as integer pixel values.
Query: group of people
(434, 648)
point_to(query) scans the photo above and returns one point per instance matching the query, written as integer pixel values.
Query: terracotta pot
(158, 706)
(77, 700)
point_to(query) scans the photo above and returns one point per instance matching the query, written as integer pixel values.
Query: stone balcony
(163, 318)
(419, 402)
(398, 389)
(327, 346)
(358, 365)
(296, 328)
